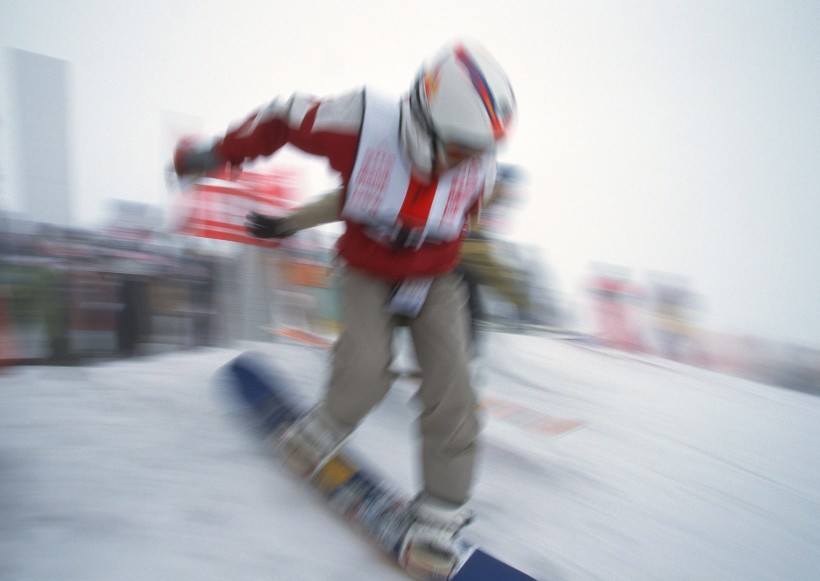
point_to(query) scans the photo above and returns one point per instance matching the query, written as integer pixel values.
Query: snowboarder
(414, 170)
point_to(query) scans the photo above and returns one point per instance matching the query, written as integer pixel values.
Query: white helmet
(462, 97)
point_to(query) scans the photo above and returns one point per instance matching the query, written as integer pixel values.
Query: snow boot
(310, 442)
(431, 549)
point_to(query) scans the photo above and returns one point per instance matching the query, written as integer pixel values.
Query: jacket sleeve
(322, 211)
(327, 127)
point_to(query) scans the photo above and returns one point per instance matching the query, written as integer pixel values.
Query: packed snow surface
(596, 465)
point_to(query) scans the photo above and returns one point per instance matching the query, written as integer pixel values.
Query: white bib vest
(397, 209)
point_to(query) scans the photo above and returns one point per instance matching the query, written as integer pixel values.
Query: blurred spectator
(481, 262)
(132, 320)
(674, 306)
(616, 302)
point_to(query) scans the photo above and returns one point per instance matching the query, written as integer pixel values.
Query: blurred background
(664, 198)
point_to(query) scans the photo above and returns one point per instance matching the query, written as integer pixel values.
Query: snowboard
(348, 484)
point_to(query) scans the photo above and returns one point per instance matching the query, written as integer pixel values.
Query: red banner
(216, 205)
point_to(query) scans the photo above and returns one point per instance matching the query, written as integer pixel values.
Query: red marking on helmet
(482, 87)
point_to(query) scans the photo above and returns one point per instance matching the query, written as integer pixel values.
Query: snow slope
(141, 469)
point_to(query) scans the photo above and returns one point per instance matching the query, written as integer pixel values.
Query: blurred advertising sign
(215, 206)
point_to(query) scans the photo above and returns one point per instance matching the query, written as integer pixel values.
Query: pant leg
(449, 423)
(360, 376)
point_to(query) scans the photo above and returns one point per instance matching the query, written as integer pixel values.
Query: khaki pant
(449, 423)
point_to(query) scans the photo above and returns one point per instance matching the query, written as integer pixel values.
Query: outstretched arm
(326, 127)
(322, 211)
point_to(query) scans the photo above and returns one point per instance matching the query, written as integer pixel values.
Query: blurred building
(39, 137)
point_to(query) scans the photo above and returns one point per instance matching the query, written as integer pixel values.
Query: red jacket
(330, 128)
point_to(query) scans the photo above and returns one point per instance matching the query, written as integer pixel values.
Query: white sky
(680, 137)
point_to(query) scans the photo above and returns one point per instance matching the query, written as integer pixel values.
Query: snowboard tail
(350, 486)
